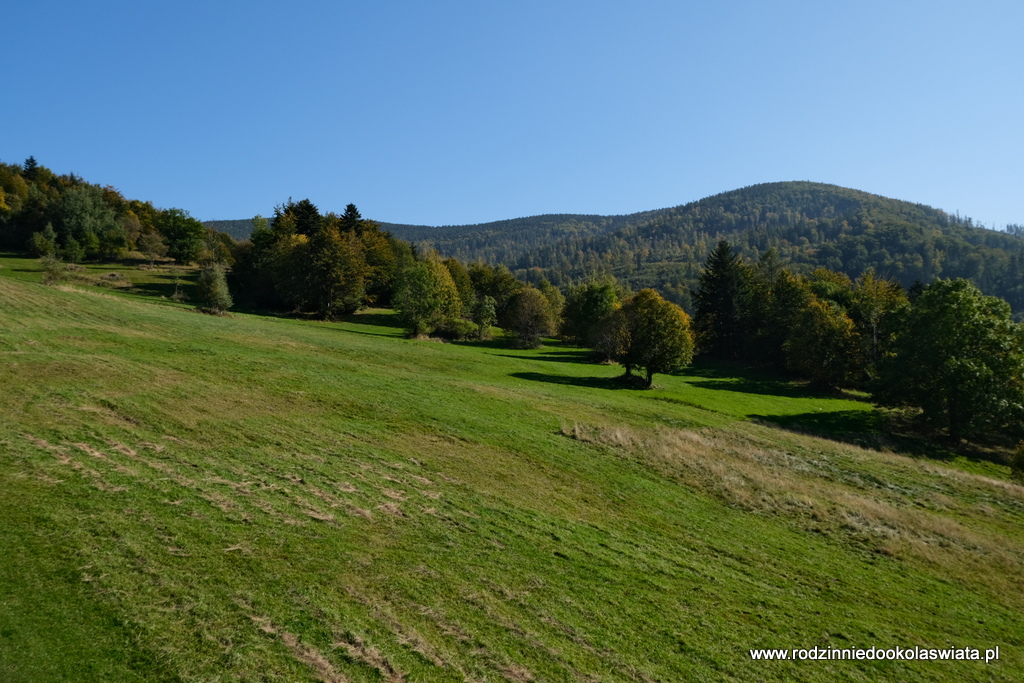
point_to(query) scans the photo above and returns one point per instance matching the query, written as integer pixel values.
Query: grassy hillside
(187, 497)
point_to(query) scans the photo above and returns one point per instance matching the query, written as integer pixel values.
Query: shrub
(456, 329)
(212, 288)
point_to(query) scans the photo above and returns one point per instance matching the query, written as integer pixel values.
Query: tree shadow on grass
(589, 382)
(163, 286)
(720, 376)
(375, 319)
(875, 429)
(574, 356)
(859, 427)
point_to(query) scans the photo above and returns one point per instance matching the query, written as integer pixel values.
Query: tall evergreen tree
(719, 303)
(31, 168)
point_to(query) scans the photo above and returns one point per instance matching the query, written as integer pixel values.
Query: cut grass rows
(197, 498)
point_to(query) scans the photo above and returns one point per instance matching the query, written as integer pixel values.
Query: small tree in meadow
(650, 333)
(212, 288)
(54, 270)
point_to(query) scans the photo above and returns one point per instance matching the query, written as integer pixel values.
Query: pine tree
(719, 305)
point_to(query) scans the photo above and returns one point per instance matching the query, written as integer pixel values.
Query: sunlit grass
(248, 498)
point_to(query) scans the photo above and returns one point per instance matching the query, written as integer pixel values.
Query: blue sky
(459, 112)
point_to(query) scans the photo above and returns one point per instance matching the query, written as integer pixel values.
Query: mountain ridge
(810, 224)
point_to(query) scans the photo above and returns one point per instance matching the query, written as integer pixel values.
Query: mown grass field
(192, 498)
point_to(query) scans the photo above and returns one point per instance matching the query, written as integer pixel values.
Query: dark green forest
(811, 225)
(67, 218)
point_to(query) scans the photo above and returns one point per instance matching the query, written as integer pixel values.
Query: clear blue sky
(458, 112)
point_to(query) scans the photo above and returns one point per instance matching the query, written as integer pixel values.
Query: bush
(456, 329)
(212, 288)
(54, 270)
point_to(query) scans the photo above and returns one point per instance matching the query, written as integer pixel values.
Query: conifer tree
(719, 304)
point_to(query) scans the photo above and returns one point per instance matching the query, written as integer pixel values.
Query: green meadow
(194, 498)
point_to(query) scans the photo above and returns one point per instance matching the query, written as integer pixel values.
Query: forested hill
(239, 229)
(811, 224)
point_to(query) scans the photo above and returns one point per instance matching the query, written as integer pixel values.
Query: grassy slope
(196, 498)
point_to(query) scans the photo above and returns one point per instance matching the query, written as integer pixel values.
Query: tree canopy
(959, 358)
(650, 333)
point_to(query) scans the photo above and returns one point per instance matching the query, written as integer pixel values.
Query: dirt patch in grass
(305, 653)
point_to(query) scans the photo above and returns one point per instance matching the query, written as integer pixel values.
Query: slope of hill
(187, 497)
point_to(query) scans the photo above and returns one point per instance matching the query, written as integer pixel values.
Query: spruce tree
(719, 306)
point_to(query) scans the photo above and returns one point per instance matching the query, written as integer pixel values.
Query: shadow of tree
(590, 382)
(163, 285)
(749, 385)
(860, 427)
(375, 319)
(722, 376)
(574, 356)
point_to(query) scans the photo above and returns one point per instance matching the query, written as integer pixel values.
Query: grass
(195, 498)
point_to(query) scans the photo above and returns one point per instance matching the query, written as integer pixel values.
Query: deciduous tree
(958, 357)
(426, 296)
(530, 317)
(586, 306)
(183, 233)
(823, 345)
(650, 333)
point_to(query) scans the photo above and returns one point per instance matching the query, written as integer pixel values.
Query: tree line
(944, 350)
(66, 217)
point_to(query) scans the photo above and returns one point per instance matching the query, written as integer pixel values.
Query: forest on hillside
(944, 350)
(810, 225)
